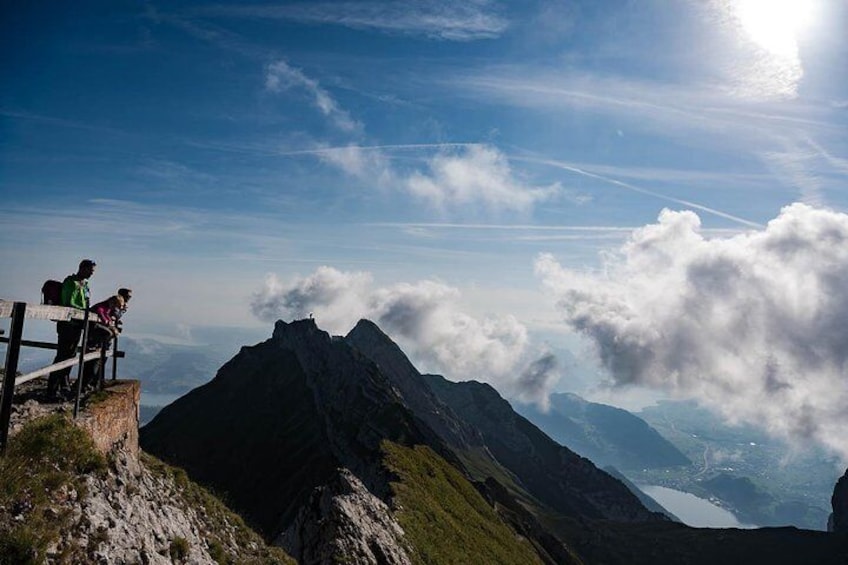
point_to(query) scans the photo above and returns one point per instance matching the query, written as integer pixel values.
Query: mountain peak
(306, 327)
(368, 332)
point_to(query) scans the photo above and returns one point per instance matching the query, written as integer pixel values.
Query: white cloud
(335, 297)
(362, 163)
(754, 325)
(457, 177)
(434, 19)
(426, 319)
(480, 174)
(279, 77)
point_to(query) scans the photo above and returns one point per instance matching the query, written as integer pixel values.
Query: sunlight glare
(775, 24)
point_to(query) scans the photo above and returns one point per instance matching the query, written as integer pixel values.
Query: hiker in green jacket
(75, 293)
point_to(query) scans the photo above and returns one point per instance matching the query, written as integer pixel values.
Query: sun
(775, 24)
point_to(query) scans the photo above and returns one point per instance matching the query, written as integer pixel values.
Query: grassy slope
(445, 519)
(44, 467)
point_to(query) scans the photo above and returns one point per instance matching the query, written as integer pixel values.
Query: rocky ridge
(343, 522)
(486, 433)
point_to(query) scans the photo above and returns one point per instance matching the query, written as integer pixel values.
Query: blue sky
(215, 155)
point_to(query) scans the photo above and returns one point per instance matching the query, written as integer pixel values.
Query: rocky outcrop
(134, 517)
(111, 419)
(344, 523)
(149, 513)
(838, 521)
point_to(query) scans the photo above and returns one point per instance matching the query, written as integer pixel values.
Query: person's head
(125, 293)
(86, 268)
(117, 301)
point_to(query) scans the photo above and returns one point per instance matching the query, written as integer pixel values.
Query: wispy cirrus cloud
(433, 19)
(699, 113)
(280, 76)
(669, 107)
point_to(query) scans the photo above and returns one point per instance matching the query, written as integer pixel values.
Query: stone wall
(111, 418)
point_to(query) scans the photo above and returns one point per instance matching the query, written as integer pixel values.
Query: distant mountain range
(604, 434)
(341, 451)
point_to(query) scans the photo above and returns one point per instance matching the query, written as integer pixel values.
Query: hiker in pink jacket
(101, 333)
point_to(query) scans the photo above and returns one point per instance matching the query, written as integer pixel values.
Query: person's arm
(103, 313)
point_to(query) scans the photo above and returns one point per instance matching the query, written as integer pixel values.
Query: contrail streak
(634, 188)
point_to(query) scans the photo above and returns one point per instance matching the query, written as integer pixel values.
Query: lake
(694, 511)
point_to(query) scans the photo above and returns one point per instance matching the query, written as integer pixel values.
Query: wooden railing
(18, 312)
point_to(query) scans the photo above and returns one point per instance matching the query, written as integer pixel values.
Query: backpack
(51, 292)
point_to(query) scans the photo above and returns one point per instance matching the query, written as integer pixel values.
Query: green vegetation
(179, 549)
(445, 519)
(220, 522)
(44, 466)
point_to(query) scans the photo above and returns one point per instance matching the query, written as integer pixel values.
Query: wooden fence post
(12, 355)
(115, 358)
(81, 370)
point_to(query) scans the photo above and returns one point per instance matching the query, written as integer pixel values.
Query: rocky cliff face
(838, 521)
(344, 523)
(148, 513)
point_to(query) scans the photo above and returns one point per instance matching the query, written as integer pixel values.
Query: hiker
(100, 334)
(126, 294)
(75, 293)
(109, 312)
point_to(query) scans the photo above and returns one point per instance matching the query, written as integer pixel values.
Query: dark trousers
(99, 336)
(68, 337)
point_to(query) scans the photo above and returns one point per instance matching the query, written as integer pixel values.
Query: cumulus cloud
(754, 325)
(425, 317)
(279, 77)
(480, 174)
(458, 177)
